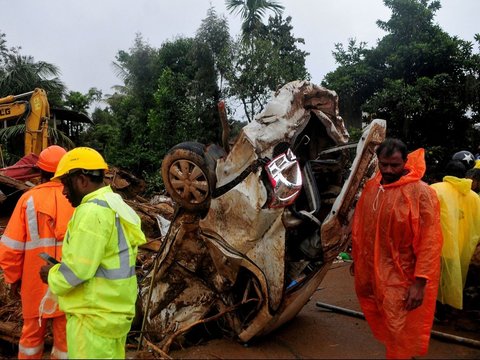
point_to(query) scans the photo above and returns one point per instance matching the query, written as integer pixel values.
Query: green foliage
(20, 74)
(79, 102)
(3, 44)
(251, 78)
(355, 134)
(12, 135)
(103, 135)
(169, 95)
(121, 131)
(168, 121)
(252, 12)
(186, 97)
(286, 61)
(214, 33)
(354, 80)
(154, 182)
(472, 86)
(421, 80)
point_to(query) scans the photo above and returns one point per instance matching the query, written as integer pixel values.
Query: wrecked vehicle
(256, 229)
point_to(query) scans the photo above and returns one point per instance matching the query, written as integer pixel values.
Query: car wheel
(187, 177)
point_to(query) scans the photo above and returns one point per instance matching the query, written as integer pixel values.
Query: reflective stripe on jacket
(96, 279)
(38, 224)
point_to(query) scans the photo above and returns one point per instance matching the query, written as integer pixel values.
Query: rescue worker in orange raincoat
(396, 243)
(38, 224)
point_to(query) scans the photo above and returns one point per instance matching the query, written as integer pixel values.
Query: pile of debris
(10, 315)
(155, 212)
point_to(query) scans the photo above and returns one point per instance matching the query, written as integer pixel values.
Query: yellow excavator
(34, 107)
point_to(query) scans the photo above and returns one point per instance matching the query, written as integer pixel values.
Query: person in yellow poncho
(460, 218)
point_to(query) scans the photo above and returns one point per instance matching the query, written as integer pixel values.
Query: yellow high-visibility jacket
(460, 218)
(96, 279)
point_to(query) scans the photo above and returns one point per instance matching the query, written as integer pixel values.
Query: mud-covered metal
(233, 265)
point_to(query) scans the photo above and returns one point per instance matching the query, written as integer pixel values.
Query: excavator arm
(35, 110)
(13, 110)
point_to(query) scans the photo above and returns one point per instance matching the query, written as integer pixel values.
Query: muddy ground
(321, 334)
(315, 333)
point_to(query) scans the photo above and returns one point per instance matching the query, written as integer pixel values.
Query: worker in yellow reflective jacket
(95, 282)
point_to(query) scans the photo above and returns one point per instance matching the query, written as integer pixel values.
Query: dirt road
(321, 334)
(315, 333)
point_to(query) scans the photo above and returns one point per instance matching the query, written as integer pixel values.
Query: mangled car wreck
(255, 229)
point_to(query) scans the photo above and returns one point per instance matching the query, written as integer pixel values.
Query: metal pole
(147, 306)
(436, 334)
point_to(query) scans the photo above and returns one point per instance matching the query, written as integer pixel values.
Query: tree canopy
(423, 81)
(252, 12)
(170, 94)
(251, 78)
(22, 73)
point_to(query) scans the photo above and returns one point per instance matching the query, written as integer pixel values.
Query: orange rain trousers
(33, 335)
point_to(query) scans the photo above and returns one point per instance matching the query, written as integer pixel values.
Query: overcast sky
(83, 37)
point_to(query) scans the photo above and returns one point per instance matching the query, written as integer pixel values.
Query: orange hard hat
(50, 157)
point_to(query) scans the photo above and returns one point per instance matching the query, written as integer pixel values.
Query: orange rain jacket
(38, 224)
(396, 236)
(460, 212)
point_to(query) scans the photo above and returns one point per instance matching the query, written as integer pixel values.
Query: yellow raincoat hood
(128, 217)
(463, 186)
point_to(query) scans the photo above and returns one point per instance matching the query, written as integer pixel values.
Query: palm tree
(57, 137)
(20, 74)
(252, 12)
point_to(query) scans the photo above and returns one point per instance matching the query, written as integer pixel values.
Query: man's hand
(44, 272)
(415, 294)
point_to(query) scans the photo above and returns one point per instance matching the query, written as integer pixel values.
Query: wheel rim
(188, 181)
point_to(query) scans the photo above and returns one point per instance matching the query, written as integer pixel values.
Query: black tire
(187, 177)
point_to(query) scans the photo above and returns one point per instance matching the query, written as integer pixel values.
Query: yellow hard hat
(80, 158)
